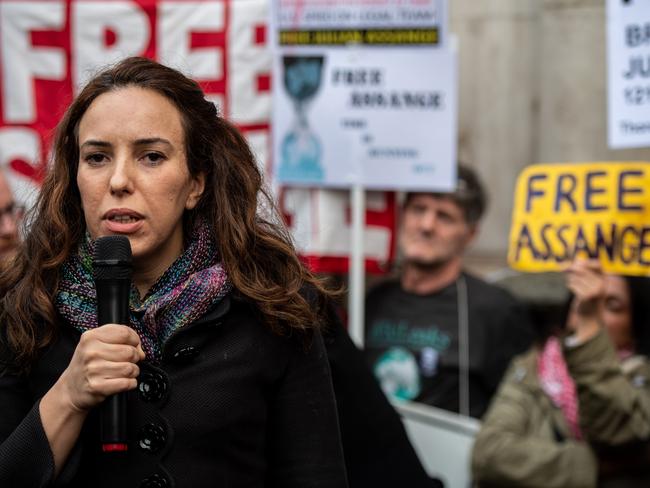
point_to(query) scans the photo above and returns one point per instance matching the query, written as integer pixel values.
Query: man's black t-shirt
(412, 341)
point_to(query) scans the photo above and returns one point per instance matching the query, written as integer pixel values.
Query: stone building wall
(533, 88)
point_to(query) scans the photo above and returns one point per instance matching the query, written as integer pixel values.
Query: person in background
(10, 216)
(438, 334)
(223, 358)
(574, 411)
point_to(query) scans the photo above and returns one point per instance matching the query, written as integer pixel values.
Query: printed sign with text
(582, 210)
(366, 94)
(628, 48)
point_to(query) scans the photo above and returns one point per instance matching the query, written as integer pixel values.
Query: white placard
(628, 47)
(382, 118)
(369, 101)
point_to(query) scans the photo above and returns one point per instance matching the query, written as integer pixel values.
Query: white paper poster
(369, 101)
(628, 47)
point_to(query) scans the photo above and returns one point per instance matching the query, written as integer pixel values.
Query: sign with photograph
(628, 48)
(582, 210)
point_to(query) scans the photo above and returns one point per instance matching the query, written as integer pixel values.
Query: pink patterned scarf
(558, 384)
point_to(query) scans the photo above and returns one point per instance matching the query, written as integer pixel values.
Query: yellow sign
(585, 210)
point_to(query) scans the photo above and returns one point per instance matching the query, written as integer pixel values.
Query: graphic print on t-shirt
(397, 373)
(411, 353)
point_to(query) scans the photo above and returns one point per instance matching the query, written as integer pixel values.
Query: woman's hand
(586, 281)
(104, 363)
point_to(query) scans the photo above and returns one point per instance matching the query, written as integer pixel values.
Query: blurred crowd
(562, 389)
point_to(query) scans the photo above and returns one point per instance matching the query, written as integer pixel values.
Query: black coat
(230, 405)
(378, 453)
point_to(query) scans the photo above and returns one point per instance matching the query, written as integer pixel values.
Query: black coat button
(155, 481)
(152, 387)
(152, 438)
(185, 354)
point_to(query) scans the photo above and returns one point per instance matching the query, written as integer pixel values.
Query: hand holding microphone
(104, 364)
(112, 271)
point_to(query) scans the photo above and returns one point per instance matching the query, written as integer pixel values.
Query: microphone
(112, 273)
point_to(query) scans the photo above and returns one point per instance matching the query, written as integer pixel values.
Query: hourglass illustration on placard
(301, 149)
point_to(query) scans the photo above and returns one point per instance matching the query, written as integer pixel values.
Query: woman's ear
(196, 190)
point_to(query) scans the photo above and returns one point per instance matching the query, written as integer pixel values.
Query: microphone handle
(113, 308)
(113, 424)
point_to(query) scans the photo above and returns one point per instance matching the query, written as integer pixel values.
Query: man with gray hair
(438, 334)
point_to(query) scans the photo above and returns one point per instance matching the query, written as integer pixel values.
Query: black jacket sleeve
(304, 447)
(25, 455)
(26, 459)
(376, 448)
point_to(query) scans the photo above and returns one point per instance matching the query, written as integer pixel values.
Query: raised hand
(586, 281)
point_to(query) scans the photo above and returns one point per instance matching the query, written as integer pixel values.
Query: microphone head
(112, 258)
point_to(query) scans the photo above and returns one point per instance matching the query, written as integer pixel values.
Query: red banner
(49, 48)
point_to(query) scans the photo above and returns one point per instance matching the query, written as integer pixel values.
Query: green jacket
(525, 440)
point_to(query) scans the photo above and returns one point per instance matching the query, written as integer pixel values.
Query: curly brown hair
(253, 243)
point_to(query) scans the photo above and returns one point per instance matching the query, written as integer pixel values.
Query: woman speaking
(223, 363)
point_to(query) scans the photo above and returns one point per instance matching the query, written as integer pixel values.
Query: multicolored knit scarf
(190, 287)
(557, 383)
